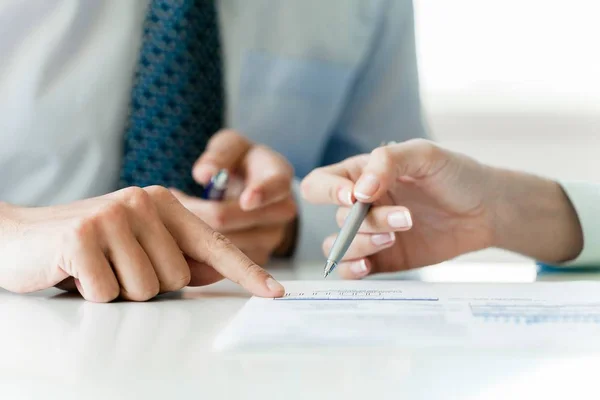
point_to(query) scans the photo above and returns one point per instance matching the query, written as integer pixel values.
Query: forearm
(533, 216)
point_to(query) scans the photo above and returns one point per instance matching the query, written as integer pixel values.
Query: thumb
(225, 150)
(413, 159)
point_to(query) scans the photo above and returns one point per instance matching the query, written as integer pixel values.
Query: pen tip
(328, 268)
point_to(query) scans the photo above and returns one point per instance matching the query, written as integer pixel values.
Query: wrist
(533, 216)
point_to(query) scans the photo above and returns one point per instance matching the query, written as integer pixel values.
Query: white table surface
(55, 345)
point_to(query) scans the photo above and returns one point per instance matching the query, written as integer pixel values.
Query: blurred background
(514, 83)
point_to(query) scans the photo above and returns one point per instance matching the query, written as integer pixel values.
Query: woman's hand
(432, 204)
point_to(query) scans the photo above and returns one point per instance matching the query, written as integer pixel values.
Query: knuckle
(131, 192)
(139, 200)
(384, 156)
(160, 193)
(381, 153)
(84, 228)
(424, 147)
(420, 142)
(220, 242)
(113, 213)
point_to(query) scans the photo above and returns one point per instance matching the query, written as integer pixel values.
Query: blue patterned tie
(177, 99)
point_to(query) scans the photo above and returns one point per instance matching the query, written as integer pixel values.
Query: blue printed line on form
(360, 299)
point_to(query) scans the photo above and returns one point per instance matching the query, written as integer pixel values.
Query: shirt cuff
(585, 198)
(316, 222)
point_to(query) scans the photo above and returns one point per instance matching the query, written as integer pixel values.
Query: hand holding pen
(217, 186)
(247, 195)
(430, 204)
(351, 225)
(366, 188)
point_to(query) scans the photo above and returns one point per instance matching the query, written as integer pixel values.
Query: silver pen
(346, 236)
(344, 239)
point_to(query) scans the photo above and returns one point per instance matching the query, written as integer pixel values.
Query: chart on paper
(538, 314)
(355, 294)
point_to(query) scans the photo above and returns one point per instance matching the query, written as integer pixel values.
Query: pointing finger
(321, 186)
(202, 244)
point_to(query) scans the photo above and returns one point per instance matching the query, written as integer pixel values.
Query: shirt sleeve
(585, 198)
(383, 105)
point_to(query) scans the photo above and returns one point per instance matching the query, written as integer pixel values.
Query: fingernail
(345, 197)
(359, 268)
(366, 187)
(274, 286)
(400, 219)
(383, 239)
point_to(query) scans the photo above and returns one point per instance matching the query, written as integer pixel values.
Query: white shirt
(317, 81)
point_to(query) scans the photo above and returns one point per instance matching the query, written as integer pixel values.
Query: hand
(431, 205)
(258, 218)
(135, 243)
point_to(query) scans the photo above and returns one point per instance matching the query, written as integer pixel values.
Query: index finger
(333, 184)
(201, 243)
(225, 150)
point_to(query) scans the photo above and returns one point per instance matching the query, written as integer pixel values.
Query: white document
(548, 315)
